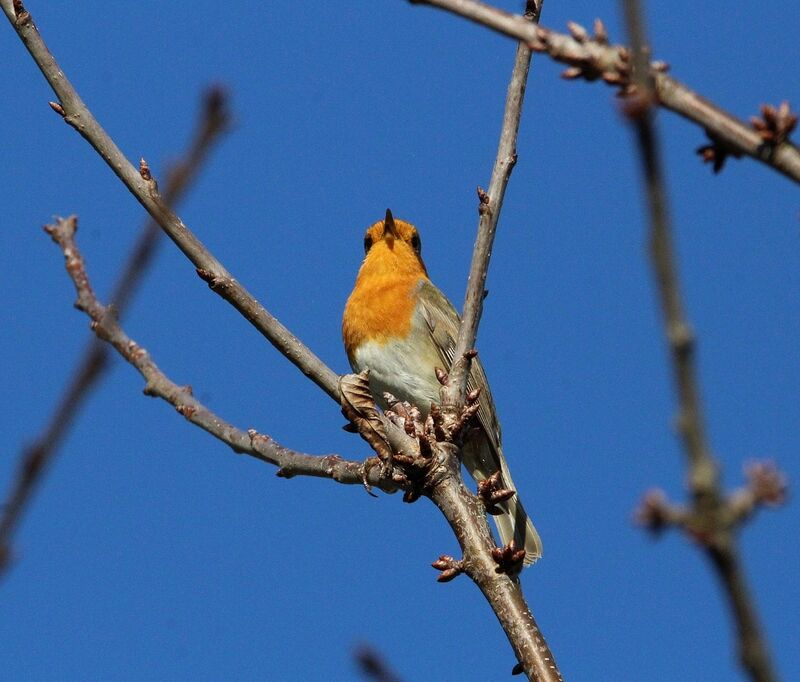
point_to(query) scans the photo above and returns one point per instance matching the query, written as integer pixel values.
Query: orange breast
(380, 308)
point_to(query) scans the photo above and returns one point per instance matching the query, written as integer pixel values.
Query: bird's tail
(512, 522)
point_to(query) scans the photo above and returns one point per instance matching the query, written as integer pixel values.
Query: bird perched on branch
(402, 328)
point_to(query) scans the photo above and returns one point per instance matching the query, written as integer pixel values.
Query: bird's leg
(415, 467)
(358, 407)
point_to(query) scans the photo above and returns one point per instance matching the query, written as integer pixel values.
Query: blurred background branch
(708, 519)
(213, 120)
(372, 665)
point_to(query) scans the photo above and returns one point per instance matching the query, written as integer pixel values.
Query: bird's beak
(389, 228)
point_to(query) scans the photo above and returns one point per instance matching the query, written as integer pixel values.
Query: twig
(104, 324)
(483, 562)
(35, 459)
(489, 207)
(592, 57)
(461, 508)
(709, 518)
(145, 189)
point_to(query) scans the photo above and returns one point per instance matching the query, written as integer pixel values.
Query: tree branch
(104, 324)
(592, 58)
(467, 518)
(373, 665)
(34, 460)
(433, 469)
(709, 518)
(482, 560)
(489, 207)
(445, 486)
(145, 189)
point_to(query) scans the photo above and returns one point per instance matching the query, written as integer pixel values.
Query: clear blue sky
(153, 552)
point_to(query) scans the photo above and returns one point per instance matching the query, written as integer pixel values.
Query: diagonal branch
(445, 485)
(481, 557)
(709, 518)
(593, 58)
(214, 120)
(105, 325)
(466, 516)
(489, 207)
(145, 190)
(373, 665)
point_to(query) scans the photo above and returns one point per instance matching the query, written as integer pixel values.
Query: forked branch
(105, 325)
(592, 57)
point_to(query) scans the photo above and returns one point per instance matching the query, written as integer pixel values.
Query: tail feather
(512, 523)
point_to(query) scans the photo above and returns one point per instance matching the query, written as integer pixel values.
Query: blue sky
(153, 552)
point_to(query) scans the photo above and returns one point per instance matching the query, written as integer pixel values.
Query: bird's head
(394, 246)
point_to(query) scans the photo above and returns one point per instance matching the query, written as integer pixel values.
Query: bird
(402, 328)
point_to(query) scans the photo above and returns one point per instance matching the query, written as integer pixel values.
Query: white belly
(398, 367)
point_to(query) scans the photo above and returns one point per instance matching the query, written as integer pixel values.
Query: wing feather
(443, 323)
(482, 456)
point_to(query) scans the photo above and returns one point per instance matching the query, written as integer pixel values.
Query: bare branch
(492, 569)
(489, 206)
(464, 513)
(34, 460)
(708, 519)
(104, 324)
(443, 483)
(146, 193)
(593, 58)
(434, 470)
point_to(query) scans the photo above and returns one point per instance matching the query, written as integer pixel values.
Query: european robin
(401, 327)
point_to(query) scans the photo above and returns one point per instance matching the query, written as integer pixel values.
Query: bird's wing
(481, 456)
(443, 322)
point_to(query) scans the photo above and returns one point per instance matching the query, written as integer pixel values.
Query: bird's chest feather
(403, 366)
(379, 309)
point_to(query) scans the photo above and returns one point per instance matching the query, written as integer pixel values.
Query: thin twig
(34, 460)
(104, 324)
(489, 207)
(145, 189)
(708, 518)
(449, 493)
(592, 57)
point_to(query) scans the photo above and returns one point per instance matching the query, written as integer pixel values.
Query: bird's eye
(416, 244)
(367, 243)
